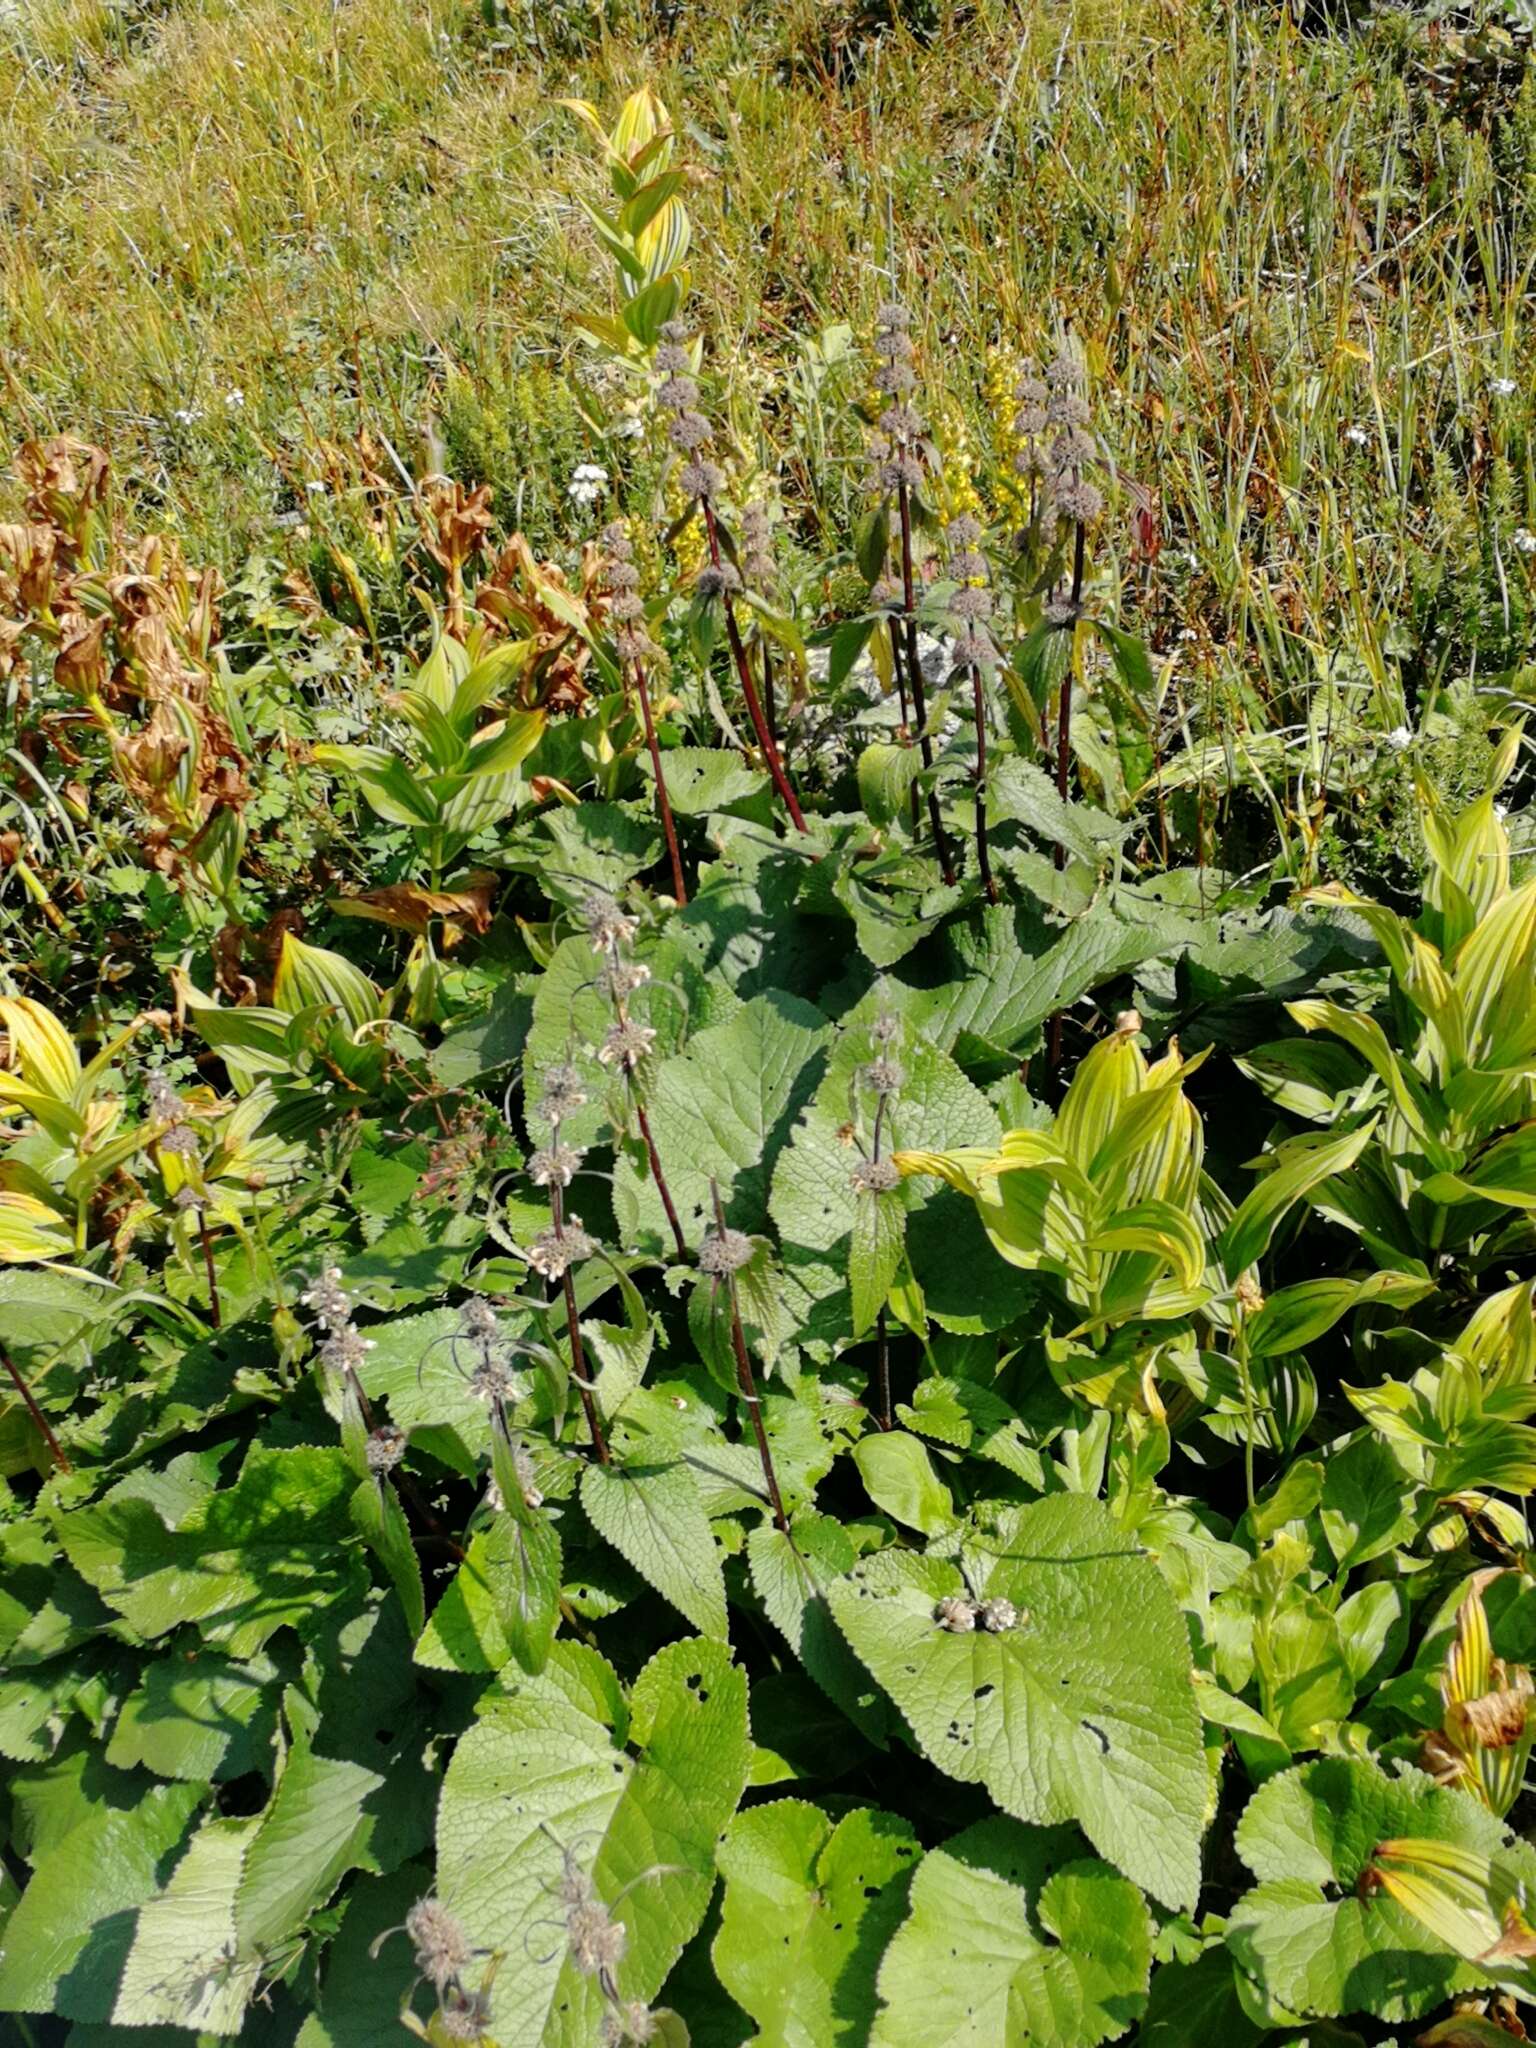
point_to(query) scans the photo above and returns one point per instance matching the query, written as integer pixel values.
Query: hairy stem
(214, 1313)
(983, 858)
(748, 688)
(1064, 742)
(746, 1381)
(663, 801)
(660, 1179)
(55, 1449)
(578, 1349)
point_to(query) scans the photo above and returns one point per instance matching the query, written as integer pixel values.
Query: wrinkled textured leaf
(1085, 1711)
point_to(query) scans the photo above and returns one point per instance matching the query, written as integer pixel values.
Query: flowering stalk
(555, 1251)
(975, 652)
(899, 465)
(632, 644)
(722, 1255)
(1072, 501)
(690, 433)
(628, 1042)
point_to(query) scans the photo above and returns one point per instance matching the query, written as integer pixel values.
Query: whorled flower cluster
(724, 1252)
(688, 430)
(972, 604)
(757, 547)
(1069, 495)
(344, 1349)
(894, 450)
(597, 1943)
(626, 607)
(443, 1951)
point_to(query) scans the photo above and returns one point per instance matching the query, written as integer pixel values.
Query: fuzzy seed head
(191, 1201)
(442, 1947)
(597, 1942)
(180, 1141)
(563, 1093)
(884, 1076)
(327, 1300)
(700, 479)
(715, 580)
(999, 1616)
(164, 1102)
(957, 1614)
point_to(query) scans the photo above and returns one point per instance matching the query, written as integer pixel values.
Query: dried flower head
(180, 1141)
(886, 1028)
(606, 924)
(555, 1166)
(345, 1350)
(957, 1614)
(700, 479)
(597, 1941)
(874, 1177)
(164, 1102)
(678, 392)
(327, 1300)
(191, 1201)
(999, 1615)
(972, 603)
(442, 1946)
(884, 1076)
(563, 1093)
(465, 2015)
(615, 538)
(626, 1044)
(633, 2021)
(385, 1447)
(554, 1252)
(690, 430)
(716, 579)
(620, 978)
(724, 1252)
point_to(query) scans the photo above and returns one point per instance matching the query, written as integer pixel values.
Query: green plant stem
(915, 680)
(55, 1449)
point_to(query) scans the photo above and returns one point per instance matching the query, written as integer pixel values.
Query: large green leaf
(653, 1517)
(1312, 1937)
(186, 1967)
(66, 1942)
(244, 1562)
(1084, 1711)
(809, 1906)
(1014, 1936)
(553, 1770)
(724, 1107)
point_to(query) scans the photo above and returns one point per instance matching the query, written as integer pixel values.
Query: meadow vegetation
(769, 1073)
